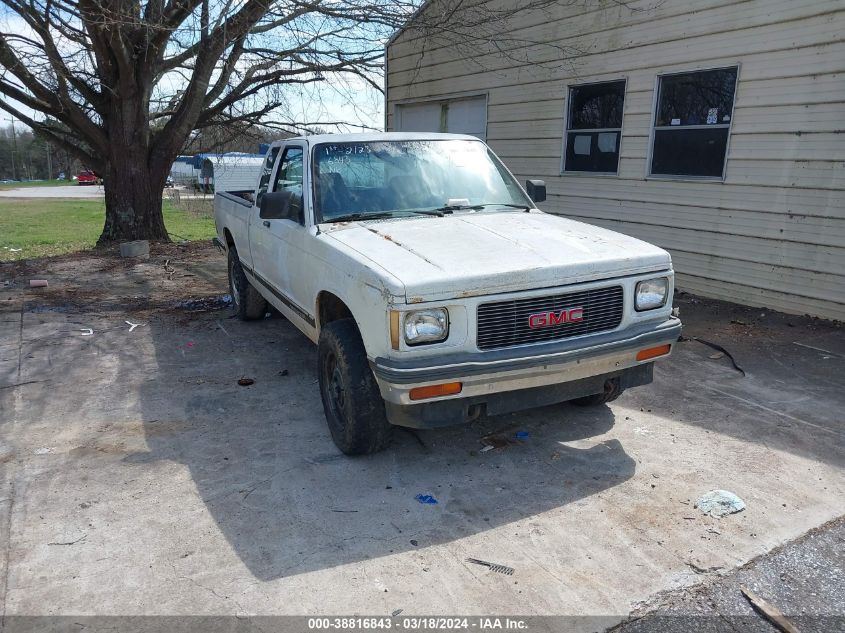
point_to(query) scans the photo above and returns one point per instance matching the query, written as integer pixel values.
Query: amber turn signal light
(653, 352)
(394, 329)
(434, 391)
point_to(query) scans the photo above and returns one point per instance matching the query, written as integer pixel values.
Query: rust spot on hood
(401, 245)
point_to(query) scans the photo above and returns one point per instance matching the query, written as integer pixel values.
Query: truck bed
(243, 197)
(231, 210)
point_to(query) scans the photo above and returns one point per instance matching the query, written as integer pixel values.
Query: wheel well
(331, 308)
(230, 241)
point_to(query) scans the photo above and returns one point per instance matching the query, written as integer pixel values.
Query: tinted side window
(594, 127)
(289, 178)
(692, 123)
(700, 98)
(596, 106)
(267, 170)
(694, 152)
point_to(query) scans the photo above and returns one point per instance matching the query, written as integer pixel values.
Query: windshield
(389, 178)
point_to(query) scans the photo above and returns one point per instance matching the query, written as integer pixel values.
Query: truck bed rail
(240, 197)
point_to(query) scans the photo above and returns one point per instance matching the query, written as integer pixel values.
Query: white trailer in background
(183, 171)
(229, 172)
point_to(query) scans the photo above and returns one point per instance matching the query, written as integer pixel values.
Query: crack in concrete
(384, 539)
(6, 555)
(20, 342)
(7, 550)
(205, 588)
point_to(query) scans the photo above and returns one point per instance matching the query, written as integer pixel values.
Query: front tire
(612, 390)
(248, 303)
(351, 400)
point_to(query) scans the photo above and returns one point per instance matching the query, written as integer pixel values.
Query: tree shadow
(289, 502)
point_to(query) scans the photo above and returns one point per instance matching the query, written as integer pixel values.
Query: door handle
(266, 223)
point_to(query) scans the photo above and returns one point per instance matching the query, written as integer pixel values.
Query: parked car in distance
(168, 182)
(87, 177)
(434, 287)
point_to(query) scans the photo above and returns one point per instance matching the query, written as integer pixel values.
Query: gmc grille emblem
(547, 319)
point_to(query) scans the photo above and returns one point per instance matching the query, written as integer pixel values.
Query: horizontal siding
(677, 46)
(768, 173)
(815, 118)
(786, 146)
(608, 28)
(749, 249)
(776, 146)
(769, 63)
(742, 293)
(714, 195)
(773, 233)
(753, 224)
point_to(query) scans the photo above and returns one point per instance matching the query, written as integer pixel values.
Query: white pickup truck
(434, 287)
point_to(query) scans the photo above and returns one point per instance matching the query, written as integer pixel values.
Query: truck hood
(473, 254)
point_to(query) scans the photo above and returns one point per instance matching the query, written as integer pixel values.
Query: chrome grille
(505, 323)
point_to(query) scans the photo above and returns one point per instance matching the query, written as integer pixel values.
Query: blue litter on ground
(426, 499)
(521, 435)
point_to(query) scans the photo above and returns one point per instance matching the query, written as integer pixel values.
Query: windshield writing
(403, 177)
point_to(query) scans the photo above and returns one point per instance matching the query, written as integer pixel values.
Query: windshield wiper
(479, 207)
(351, 217)
(380, 215)
(438, 212)
(449, 208)
(524, 207)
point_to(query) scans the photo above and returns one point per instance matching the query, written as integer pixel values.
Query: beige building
(713, 128)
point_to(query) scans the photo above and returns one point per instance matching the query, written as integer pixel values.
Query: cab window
(266, 172)
(289, 178)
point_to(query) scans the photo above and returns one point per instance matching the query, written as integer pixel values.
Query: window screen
(594, 127)
(692, 123)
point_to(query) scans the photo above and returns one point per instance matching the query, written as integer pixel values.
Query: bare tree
(123, 84)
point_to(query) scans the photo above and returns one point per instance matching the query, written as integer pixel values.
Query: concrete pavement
(139, 478)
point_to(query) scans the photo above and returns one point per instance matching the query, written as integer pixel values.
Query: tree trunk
(133, 186)
(133, 177)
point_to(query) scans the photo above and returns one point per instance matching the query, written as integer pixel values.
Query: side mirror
(536, 190)
(281, 205)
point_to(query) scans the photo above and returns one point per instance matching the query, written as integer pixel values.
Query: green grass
(41, 183)
(54, 227)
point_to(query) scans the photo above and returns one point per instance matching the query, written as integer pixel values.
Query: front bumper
(485, 374)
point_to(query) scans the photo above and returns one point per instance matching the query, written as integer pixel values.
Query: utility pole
(14, 148)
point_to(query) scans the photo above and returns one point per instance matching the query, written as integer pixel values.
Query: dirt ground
(139, 478)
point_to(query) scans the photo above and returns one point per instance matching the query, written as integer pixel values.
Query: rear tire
(351, 399)
(248, 303)
(612, 390)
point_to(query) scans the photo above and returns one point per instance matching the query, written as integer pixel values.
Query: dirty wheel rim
(233, 281)
(335, 388)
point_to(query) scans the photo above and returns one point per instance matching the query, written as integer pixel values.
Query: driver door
(278, 238)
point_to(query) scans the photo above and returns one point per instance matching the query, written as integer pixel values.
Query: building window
(692, 123)
(594, 127)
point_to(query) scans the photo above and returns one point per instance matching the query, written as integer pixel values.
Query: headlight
(651, 294)
(426, 326)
